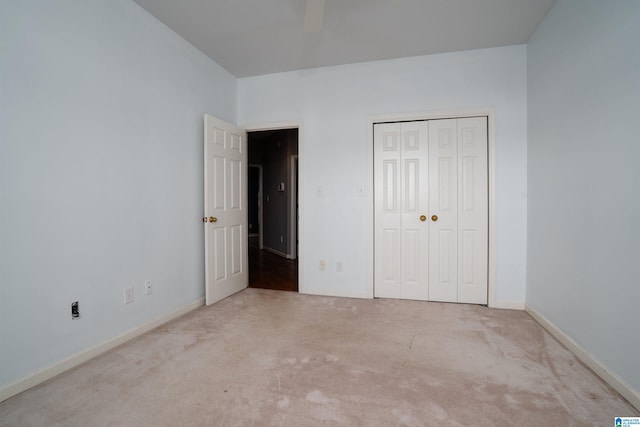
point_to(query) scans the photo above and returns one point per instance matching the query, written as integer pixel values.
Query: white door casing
(451, 255)
(225, 196)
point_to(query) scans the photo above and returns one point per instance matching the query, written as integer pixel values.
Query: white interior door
(443, 210)
(401, 237)
(431, 210)
(225, 188)
(473, 210)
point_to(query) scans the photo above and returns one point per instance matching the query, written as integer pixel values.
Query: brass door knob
(423, 218)
(213, 219)
(434, 217)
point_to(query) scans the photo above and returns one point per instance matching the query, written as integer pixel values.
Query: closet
(431, 210)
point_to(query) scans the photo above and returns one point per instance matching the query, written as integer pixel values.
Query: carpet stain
(330, 358)
(283, 403)
(318, 397)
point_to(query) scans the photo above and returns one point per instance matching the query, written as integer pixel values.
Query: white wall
(584, 180)
(334, 104)
(101, 111)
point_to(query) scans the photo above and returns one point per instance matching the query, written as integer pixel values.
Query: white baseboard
(629, 393)
(509, 305)
(275, 252)
(70, 362)
(334, 293)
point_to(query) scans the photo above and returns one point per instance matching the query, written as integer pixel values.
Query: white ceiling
(253, 37)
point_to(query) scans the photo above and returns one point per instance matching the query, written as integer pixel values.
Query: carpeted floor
(269, 358)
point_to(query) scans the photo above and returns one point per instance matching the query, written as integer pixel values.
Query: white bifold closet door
(431, 210)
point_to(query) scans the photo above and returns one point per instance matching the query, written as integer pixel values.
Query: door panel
(236, 250)
(225, 194)
(218, 249)
(391, 267)
(473, 218)
(400, 181)
(390, 186)
(387, 210)
(236, 181)
(443, 202)
(217, 166)
(414, 203)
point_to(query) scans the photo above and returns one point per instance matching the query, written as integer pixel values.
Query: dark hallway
(273, 202)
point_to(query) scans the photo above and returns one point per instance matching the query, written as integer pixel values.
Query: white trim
(292, 125)
(275, 252)
(432, 115)
(338, 293)
(293, 207)
(371, 212)
(493, 257)
(509, 305)
(259, 234)
(70, 362)
(435, 115)
(610, 377)
(273, 126)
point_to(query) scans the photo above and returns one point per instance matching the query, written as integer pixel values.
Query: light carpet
(270, 358)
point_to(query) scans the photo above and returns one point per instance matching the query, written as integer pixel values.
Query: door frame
(260, 218)
(300, 232)
(436, 115)
(293, 207)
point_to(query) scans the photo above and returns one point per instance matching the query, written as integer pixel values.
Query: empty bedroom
(450, 187)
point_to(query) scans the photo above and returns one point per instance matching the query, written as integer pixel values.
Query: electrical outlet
(339, 266)
(323, 265)
(128, 295)
(147, 287)
(75, 310)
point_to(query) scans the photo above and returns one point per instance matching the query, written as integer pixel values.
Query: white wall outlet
(147, 287)
(128, 295)
(323, 265)
(339, 266)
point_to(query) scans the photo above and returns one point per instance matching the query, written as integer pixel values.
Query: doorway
(273, 201)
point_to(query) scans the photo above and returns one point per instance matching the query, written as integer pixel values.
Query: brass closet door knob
(423, 218)
(434, 217)
(213, 219)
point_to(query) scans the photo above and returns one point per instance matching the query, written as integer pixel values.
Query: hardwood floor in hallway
(270, 271)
